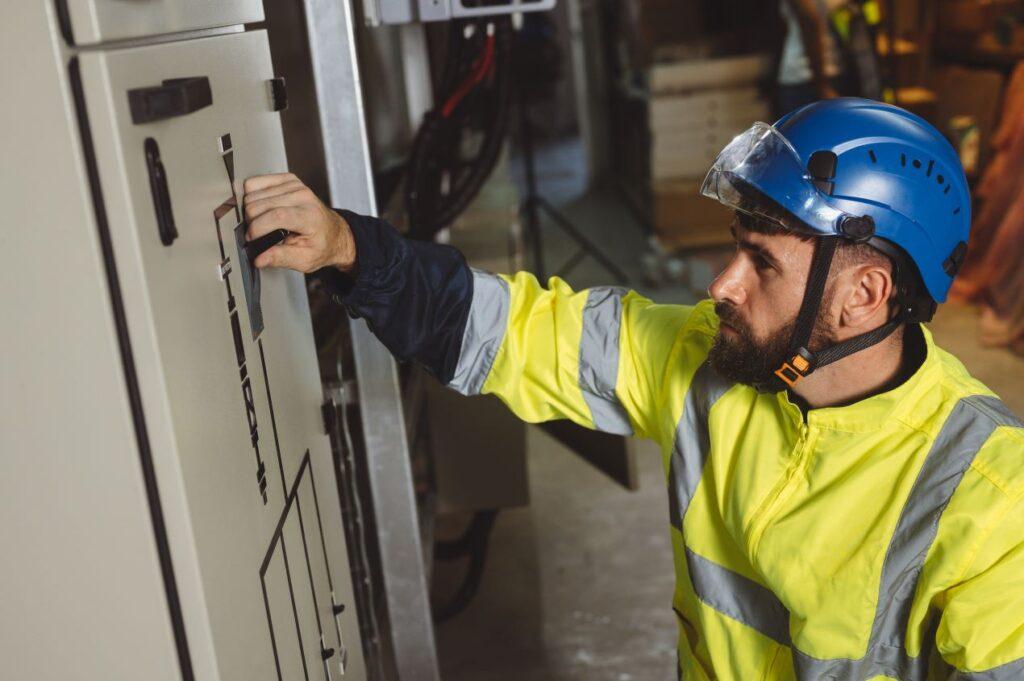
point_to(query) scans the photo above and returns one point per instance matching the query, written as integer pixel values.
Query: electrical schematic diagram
(229, 208)
(277, 558)
(300, 573)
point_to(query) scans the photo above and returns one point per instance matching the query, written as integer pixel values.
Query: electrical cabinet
(171, 464)
(87, 22)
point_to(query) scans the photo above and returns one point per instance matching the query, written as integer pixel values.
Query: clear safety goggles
(760, 173)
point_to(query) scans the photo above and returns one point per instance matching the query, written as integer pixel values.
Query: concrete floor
(578, 585)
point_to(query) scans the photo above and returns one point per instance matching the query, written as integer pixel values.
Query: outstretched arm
(595, 356)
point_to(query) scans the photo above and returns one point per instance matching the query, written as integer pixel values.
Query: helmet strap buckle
(797, 368)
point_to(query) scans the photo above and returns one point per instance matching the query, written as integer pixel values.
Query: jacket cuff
(372, 237)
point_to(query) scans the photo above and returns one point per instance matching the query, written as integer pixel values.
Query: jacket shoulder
(1000, 457)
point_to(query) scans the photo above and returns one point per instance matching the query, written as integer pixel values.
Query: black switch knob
(173, 97)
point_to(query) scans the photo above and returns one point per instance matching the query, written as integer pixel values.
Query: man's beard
(744, 359)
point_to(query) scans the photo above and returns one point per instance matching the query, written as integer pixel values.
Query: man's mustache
(728, 315)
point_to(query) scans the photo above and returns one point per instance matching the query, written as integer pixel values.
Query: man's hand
(319, 236)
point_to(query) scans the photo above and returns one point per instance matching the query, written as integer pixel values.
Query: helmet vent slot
(903, 160)
(871, 153)
(956, 210)
(929, 172)
(946, 190)
(917, 163)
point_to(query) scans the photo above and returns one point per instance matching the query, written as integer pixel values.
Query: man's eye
(761, 264)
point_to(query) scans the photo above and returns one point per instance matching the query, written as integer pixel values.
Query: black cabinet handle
(161, 196)
(174, 97)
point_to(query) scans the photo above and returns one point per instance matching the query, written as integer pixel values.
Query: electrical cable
(473, 543)
(460, 141)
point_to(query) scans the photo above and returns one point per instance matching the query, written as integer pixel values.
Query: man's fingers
(292, 199)
(282, 217)
(273, 190)
(259, 182)
(283, 255)
(269, 257)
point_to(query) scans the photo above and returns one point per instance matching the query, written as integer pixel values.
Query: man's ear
(867, 296)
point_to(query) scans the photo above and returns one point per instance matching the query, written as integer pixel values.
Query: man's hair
(906, 280)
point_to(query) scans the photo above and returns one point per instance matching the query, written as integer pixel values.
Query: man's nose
(728, 285)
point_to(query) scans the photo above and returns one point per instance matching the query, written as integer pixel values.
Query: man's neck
(871, 371)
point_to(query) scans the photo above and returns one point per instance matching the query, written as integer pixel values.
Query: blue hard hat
(856, 168)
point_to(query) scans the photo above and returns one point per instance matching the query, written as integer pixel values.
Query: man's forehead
(783, 246)
(761, 237)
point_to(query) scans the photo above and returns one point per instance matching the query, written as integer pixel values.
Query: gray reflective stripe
(966, 429)
(485, 329)
(599, 359)
(1011, 671)
(881, 661)
(693, 442)
(742, 599)
(969, 425)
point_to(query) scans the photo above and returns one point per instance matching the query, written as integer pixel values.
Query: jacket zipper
(782, 491)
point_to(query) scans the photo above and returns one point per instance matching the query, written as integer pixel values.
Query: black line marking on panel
(249, 402)
(278, 536)
(295, 610)
(219, 213)
(273, 418)
(270, 625)
(298, 502)
(309, 569)
(323, 546)
(236, 334)
(131, 379)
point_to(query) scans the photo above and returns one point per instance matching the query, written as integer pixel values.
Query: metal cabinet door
(96, 21)
(233, 410)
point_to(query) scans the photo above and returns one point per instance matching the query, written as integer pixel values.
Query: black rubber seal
(131, 378)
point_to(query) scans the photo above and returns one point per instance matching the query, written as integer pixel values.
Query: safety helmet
(859, 170)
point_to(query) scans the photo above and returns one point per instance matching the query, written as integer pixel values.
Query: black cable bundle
(461, 139)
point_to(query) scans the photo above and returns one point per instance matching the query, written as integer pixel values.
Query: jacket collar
(871, 413)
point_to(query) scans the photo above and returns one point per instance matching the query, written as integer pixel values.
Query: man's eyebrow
(754, 248)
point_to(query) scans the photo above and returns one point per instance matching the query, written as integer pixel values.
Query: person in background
(811, 64)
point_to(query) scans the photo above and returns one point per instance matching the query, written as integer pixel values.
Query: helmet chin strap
(802, 362)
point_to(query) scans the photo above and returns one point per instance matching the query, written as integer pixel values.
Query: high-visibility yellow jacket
(881, 540)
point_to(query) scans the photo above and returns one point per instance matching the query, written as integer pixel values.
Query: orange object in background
(992, 274)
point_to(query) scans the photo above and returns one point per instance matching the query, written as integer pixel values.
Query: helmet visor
(760, 173)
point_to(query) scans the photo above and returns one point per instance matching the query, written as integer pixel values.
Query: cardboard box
(688, 131)
(714, 108)
(696, 74)
(686, 154)
(683, 219)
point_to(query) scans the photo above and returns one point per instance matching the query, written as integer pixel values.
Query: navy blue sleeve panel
(414, 295)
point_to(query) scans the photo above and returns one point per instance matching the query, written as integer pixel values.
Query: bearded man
(845, 501)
